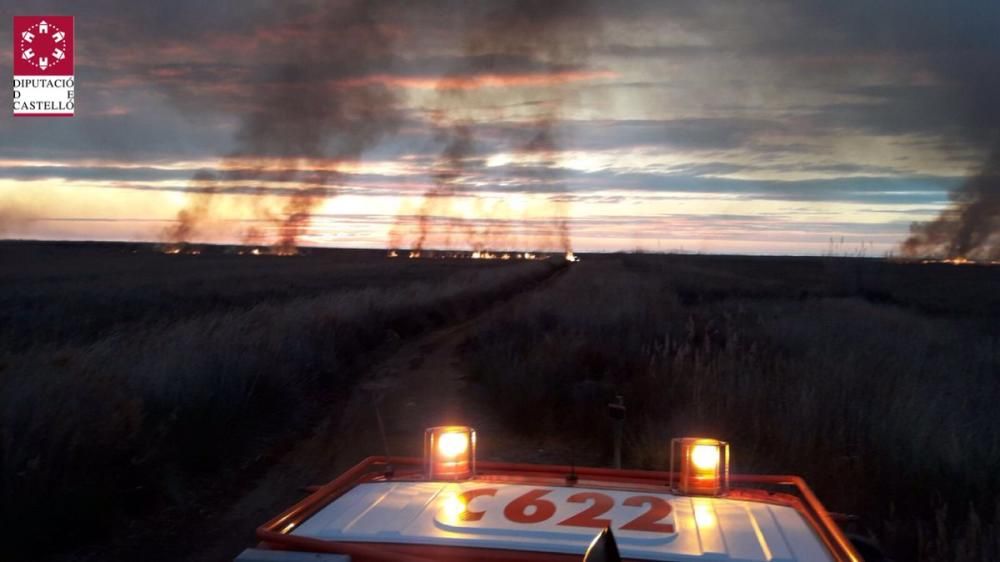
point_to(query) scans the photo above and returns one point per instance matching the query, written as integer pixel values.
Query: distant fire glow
(188, 250)
(174, 250)
(476, 255)
(961, 261)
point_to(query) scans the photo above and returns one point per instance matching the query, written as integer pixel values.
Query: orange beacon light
(699, 466)
(450, 452)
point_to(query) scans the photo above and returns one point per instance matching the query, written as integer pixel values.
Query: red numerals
(532, 507)
(600, 504)
(517, 510)
(649, 521)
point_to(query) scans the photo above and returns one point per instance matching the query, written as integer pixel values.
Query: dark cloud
(197, 80)
(147, 136)
(941, 58)
(659, 52)
(693, 134)
(556, 33)
(891, 111)
(957, 42)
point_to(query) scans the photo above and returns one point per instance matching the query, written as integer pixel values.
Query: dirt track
(423, 384)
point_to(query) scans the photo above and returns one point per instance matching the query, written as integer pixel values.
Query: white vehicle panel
(647, 526)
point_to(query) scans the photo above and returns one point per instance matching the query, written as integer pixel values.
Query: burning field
(479, 255)
(290, 162)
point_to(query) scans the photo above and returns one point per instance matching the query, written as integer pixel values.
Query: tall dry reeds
(887, 407)
(143, 416)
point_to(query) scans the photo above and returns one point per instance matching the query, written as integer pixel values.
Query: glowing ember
(271, 251)
(476, 255)
(961, 261)
(954, 261)
(177, 249)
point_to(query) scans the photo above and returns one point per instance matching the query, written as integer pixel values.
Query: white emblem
(34, 56)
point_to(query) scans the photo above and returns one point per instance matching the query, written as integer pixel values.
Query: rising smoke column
(970, 226)
(543, 145)
(189, 219)
(942, 58)
(554, 36)
(958, 45)
(305, 121)
(447, 174)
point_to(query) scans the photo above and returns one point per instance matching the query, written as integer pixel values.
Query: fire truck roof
(563, 519)
(537, 512)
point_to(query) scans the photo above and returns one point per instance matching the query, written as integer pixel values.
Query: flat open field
(153, 397)
(130, 379)
(878, 382)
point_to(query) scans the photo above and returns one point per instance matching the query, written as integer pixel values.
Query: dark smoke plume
(955, 48)
(970, 227)
(552, 34)
(190, 218)
(964, 58)
(447, 174)
(303, 123)
(544, 145)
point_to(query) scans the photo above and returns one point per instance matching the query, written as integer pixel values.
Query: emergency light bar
(450, 452)
(699, 466)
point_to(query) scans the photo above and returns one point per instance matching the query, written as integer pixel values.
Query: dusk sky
(740, 126)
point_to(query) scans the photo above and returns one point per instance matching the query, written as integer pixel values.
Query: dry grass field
(878, 382)
(133, 382)
(129, 380)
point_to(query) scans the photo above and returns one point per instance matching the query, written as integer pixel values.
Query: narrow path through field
(423, 384)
